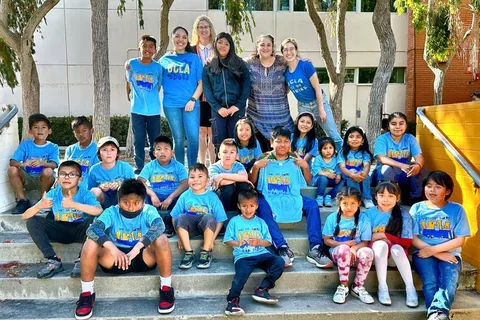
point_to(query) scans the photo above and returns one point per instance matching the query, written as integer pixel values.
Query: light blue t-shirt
(435, 226)
(402, 151)
(164, 180)
(363, 233)
(320, 165)
(241, 229)
(299, 81)
(355, 160)
(99, 175)
(60, 213)
(246, 155)
(86, 158)
(124, 232)
(217, 168)
(379, 221)
(280, 183)
(301, 144)
(199, 204)
(181, 73)
(145, 81)
(28, 150)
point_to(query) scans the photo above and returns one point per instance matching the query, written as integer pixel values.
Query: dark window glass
(215, 4)
(323, 75)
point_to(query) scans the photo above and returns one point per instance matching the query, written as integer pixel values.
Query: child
(197, 212)
(228, 176)
(73, 208)
(144, 79)
(326, 172)
(354, 161)
(126, 238)
(279, 175)
(85, 150)
(439, 230)
(347, 233)
(167, 179)
(248, 146)
(32, 164)
(393, 151)
(248, 235)
(105, 177)
(391, 238)
(304, 141)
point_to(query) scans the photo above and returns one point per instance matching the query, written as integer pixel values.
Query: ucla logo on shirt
(163, 181)
(69, 216)
(144, 81)
(179, 70)
(440, 228)
(278, 184)
(197, 209)
(128, 238)
(246, 159)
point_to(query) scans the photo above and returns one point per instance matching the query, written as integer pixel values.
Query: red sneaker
(85, 304)
(167, 300)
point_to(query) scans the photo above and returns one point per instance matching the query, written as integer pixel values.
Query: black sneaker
(51, 267)
(167, 300)
(169, 232)
(137, 171)
(76, 269)
(287, 255)
(187, 261)
(233, 308)
(21, 207)
(85, 304)
(204, 260)
(262, 295)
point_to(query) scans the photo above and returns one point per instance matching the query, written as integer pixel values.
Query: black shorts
(205, 114)
(137, 265)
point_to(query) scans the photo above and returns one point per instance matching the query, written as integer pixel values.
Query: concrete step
(290, 306)
(20, 282)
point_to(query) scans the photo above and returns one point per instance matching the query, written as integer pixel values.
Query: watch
(193, 99)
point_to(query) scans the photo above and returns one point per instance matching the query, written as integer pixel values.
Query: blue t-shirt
(217, 168)
(164, 180)
(99, 175)
(85, 157)
(320, 165)
(240, 229)
(363, 233)
(280, 183)
(28, 150)
(124, 232)
(199, 204)
(181, 73)
(299, 81)
(355, 160)
(60, 213)
(379, 221)
(435, 226)
(246, 155)
(301, 144)
(145, 81)
(402, 151)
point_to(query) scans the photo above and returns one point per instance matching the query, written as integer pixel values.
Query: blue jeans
(181, 123)
(328, 126)
(273, 266)
(439, 282)
(323, 182)
(411, 184)
(310, 210)
(224, 127)
(141, 126)
(363, 187)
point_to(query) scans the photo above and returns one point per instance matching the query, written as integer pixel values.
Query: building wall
(459, 123)
(8, 144)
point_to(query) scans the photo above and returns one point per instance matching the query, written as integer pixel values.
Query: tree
(381, 20)
(336, 73)
(101, 68)
(18, 22)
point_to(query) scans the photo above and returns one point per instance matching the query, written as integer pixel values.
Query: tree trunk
(438, 85)
(381, 20)
(30, 86)
(335, 100)
(101, 72)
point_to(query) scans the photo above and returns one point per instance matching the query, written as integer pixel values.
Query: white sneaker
(362, 294)
(384, 296)
(368, 203)
(341, 294)
(412, 298)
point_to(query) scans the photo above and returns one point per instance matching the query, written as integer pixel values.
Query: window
(322, 5)
(366, 75)
(215, 4)
(398, 75)
(283, 5)
(323, 75)
(369, 5)
(259, 5)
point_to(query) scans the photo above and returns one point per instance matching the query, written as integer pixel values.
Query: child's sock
(54, 258)
(165, 281)
(87, 286)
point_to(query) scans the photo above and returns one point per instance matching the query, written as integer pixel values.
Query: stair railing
(5, 120)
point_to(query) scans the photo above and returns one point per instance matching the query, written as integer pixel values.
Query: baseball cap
(107, 139)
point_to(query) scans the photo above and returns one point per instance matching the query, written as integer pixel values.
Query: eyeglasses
(70, 175)
(203, 27)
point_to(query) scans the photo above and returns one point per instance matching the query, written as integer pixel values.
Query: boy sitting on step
(126, 238)
(248, 235)
(197, 212)
(73, 210)
(165, 179)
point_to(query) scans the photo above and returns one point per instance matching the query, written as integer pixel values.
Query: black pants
(273, 266)
(229, 194)
(223, 127)
(43, 230)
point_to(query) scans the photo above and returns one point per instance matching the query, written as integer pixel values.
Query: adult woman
(226, 83)
(267, 102)
(182, 87)
(203, 35)
(302, 80)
